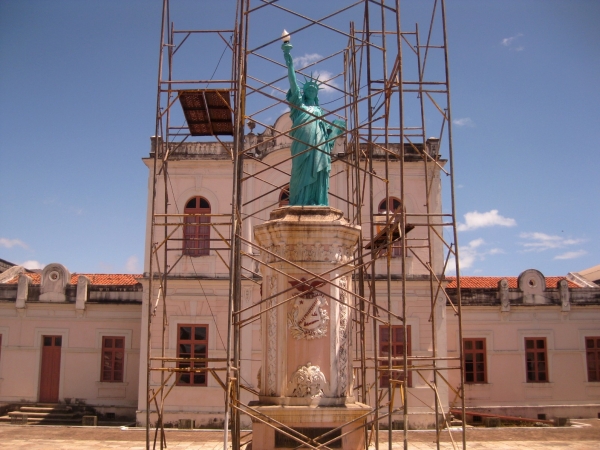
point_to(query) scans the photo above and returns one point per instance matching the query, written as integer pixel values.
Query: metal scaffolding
(391, 86)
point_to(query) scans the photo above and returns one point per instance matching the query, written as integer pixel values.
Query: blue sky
(77, 99)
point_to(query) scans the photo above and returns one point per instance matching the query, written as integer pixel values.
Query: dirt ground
(583, 434)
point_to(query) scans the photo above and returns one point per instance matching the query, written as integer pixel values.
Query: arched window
(284, 196)
(196, 235)
(394, 206)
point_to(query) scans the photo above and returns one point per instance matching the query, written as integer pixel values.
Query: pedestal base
(312, 422)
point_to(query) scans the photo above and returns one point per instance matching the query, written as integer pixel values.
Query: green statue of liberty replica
(312, 140)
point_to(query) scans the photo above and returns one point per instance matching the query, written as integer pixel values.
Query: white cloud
(476, 243)
(571, 255)
(10, 243)
(511, 42)
(324, 76)
(475, 219)
(463, 122)
(133, 264)
(507, 42)
(470, 253)
(326, 84)
(278, 92)
(308, 58)
(33, 265)
(541, 241)
(300, 63)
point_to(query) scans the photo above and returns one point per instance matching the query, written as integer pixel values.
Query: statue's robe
(311, 163)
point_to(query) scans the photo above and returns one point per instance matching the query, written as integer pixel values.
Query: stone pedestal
(306, 375)
(341, 426)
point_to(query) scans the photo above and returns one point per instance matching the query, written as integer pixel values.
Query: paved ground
(585, 435)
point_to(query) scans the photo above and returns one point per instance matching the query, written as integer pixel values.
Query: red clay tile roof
(115, 279)
(468, 282)
(102, 279)
(492, 282)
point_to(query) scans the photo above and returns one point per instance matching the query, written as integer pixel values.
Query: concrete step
(44, 421)
(74, 422)
(45, 414)
(42, 415)
(47, 409)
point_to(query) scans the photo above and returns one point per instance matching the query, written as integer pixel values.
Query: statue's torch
(285, 38)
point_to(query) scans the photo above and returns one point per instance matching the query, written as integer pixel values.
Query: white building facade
(532, 344)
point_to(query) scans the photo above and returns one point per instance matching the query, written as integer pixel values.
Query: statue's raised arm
(289, 62)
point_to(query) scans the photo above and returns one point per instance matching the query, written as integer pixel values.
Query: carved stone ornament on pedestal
(308, 319)
(272, 338)
(343, 338)
(307, 381)
(308, 252)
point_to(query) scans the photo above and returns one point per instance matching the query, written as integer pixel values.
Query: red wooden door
(50, 374)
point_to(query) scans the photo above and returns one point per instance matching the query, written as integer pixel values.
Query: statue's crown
(314, 82)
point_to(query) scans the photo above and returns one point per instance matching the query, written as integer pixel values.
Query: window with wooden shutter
(592, 357)
(474, 351)
(536, 360)
(192, 342)
(196, 229)
(113, 358)
(396, 346)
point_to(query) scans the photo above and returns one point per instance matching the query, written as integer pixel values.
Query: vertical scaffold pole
(157, 144)
(233, 333)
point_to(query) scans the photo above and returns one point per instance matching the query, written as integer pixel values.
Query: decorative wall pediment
(533, 284)
(55, 278)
